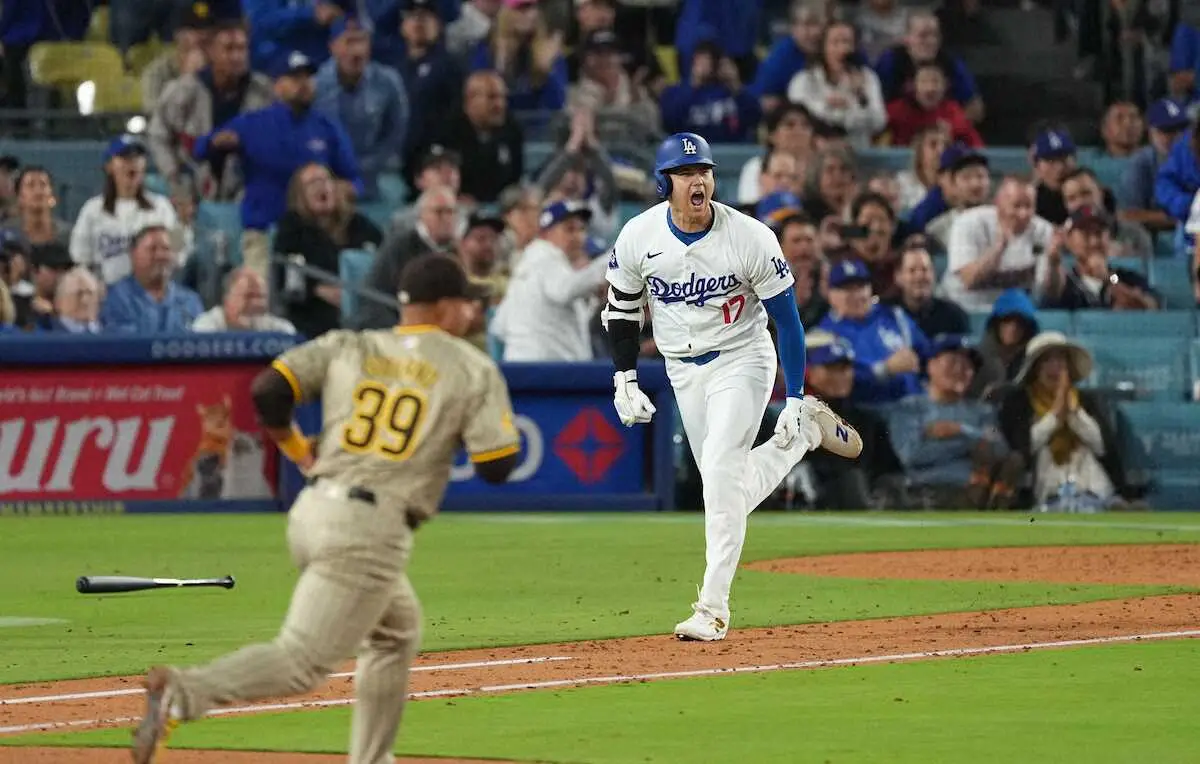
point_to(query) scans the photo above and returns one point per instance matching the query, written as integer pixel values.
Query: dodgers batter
(711, 276)
(397, 405)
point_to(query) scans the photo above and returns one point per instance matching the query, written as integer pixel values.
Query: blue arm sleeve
(790, 337)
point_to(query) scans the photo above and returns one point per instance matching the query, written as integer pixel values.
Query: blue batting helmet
(680, 150)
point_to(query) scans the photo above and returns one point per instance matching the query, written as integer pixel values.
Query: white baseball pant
(721, 404)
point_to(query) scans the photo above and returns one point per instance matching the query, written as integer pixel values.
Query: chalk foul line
(959, 652)
(340, 675)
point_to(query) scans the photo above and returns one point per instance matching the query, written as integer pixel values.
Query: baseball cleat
(151, 734)
(837, 436)
(702, 627)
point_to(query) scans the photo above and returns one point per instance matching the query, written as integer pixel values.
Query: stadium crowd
(313, 117)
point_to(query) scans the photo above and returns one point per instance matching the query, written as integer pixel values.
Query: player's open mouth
(697, 198)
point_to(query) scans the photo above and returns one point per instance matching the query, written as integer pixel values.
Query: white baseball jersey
(706, 295)
(101, 241)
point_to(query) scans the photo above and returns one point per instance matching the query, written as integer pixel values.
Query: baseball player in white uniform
(711, 276)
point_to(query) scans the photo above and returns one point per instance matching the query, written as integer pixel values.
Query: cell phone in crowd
(851, 231)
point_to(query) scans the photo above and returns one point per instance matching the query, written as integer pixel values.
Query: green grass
(1116, 703)
(490, 580)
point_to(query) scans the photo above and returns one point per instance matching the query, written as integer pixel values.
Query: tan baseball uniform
(397, 405)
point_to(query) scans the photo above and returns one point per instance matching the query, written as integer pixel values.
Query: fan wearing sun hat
(1062, 430)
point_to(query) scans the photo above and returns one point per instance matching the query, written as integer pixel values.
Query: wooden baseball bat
(113, 584)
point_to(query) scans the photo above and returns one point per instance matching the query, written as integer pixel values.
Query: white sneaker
(703, 626)
(836, 435)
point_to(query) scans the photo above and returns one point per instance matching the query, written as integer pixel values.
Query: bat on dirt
(113, 584)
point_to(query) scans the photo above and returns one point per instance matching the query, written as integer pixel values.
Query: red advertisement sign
(149, 432)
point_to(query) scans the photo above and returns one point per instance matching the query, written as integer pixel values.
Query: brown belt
(367, 496)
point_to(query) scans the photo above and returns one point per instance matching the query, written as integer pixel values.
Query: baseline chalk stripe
(340, 675)
(17, 622)
(960, 652)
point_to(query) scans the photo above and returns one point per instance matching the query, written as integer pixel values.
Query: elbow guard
(623, 306)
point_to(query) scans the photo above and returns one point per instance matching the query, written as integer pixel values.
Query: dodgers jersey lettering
(703, 296)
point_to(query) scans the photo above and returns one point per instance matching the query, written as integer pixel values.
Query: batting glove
(632, 405)
(790, 423)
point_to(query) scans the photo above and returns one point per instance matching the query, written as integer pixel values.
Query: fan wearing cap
(1178, 177)
(399, 405)
(365, 98)
(712, 101)
(966, 183)
(1061, 429)
(193, 104)
(1092, 282)
(1135, 195)
(941, 198)
(1081, 188)
(47, 263)
(552, 292)
(281, 27)
(478, 250)
(273, 143)
(953, 454)
(432, 73)
(1052, 155)
(841, 483)
(888, 345)
(107, 222)
(997, 246)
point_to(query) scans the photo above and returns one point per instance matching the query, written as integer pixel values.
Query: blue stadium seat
(1170, 278)
(1135, 264)
(392, 189)
(380, 213)
(1056, 321)
(353, 267)
(1149, 366)
(1168, 435)
(978, 322)
(1165, 324)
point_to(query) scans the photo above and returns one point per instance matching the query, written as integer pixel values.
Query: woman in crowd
(874, 229)
(76, 304)
(790, 130)
(318, 225)
(1010, 327)
(107, 222)
(1062, 430)
(527, 55)
(830, 185)
(34, 216)
(840, 89)
(916, 182)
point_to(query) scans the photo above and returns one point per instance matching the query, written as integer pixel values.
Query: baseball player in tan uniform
(398, 404)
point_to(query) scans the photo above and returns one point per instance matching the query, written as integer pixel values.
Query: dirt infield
(116, 701)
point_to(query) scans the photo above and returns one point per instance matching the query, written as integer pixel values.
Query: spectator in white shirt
(840, 90)
(244, 308)
(1000, 246)
(789, 130)
(107, 222)
(554, 291)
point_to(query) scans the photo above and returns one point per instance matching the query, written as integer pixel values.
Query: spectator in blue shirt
(278, 27)
(273, 143)
(734, 25)
(148, 301)
(366, 98)
(432, 77)
(523, 50)
(1179, 177)
(1135, 195)
(953, 454)
(790, 54)
(1185, 62)
(897, 67)
(24, 24)
(712, 102)
(888, 345)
